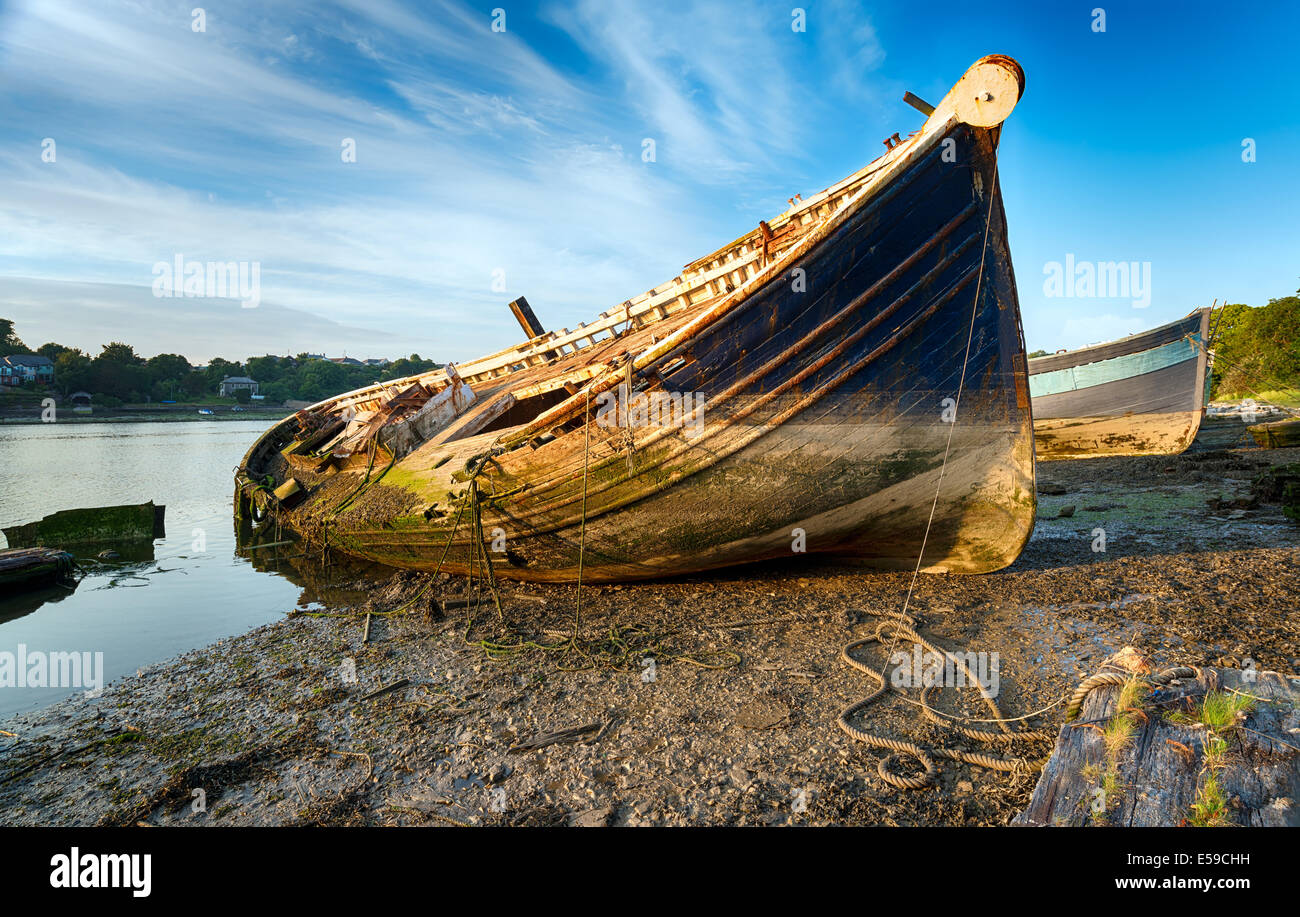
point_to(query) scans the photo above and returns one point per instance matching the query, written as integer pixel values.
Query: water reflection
(343, 580)
(24, 603)
(202, 582)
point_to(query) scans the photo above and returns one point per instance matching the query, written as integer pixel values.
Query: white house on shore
(232, 384)
(26, 367)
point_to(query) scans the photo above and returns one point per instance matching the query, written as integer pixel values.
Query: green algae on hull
(131, 522)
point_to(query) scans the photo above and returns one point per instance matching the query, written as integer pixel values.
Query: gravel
(709, 700)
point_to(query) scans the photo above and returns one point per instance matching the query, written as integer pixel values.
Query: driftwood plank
(1163, 769)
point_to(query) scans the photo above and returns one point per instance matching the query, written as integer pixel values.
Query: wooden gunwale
(567, 409)
(741, 442)
(776, 361)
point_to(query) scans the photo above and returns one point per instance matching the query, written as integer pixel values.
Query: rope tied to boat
(904, 625)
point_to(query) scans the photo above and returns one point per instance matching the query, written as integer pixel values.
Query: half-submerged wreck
(848, 378)
(1143, 394)
(27, 568)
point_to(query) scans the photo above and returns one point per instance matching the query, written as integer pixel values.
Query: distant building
(346, 361)
(26, 367)
(232, 384)
(378, 362)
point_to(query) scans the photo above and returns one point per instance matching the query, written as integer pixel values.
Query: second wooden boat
(1279, 434)
(847, 378)
(1143, 394)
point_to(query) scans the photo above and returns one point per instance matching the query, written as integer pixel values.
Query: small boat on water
(1143, 394)
(847, 378)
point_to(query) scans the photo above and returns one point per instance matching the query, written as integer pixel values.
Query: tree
(167, 372)
(218, 369)
(408, 366)
(52, 350)
(117, 352)
(277, 392)
(10, 342)
(73, 372)
(120, 372)
(1257, 349)
(167, 366)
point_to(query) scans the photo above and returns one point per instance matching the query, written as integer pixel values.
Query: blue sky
(519, 152)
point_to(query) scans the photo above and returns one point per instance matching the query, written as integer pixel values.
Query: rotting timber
(26, 568)
(848, 377)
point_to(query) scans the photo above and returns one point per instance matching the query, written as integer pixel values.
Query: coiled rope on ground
(888, 633)
(896, 626)
(901, 624)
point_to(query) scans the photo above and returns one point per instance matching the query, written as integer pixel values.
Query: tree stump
(1172, 757)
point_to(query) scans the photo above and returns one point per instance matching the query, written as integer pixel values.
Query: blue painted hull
(1141, 395)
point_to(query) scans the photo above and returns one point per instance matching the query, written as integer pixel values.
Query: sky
(491, 163)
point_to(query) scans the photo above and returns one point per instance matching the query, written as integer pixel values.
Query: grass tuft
(1221, 709)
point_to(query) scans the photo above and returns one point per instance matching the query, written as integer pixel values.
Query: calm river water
(190, 590)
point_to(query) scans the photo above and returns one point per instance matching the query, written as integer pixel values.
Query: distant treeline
(118, 373)
(1257, 349)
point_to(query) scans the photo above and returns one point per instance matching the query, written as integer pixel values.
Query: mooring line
(904, 624)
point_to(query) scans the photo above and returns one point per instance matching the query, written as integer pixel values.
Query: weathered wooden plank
(132, 522)
(25, 568)
(527, 320)
(1222, 747)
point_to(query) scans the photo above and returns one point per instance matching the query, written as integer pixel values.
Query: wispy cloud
(475, 152)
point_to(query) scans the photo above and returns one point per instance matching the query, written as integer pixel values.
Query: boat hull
(869, 400)
(1142, 395)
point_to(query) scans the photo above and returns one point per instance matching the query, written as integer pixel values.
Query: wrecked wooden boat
(848, 378)
(92, 525)
(1143, 394)
(1277, 434)
(27, 568)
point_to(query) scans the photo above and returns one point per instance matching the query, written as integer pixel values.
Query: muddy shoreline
(708, 700)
